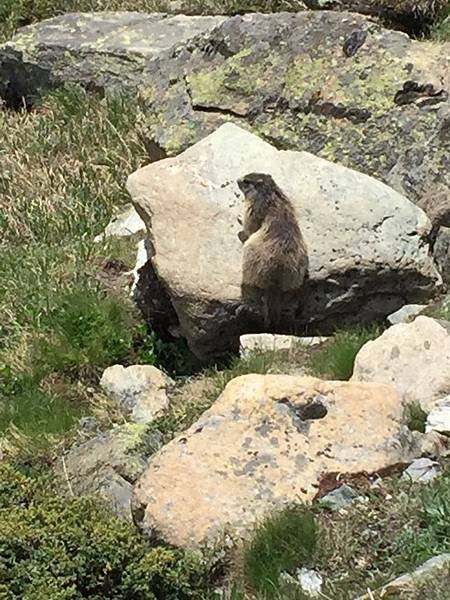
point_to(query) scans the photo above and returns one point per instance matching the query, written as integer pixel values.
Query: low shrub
(416, 417)
(75, 548)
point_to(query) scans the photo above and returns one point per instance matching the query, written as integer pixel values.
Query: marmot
(275, 259)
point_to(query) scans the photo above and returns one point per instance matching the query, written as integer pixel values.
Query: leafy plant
(417, 417)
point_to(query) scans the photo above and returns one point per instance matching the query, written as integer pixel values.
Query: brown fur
(275, 259)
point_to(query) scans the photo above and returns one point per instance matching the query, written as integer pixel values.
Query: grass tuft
(337, 357)
(282, 543)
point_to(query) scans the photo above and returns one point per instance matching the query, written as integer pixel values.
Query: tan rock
(269, 342)
(413, 357)
(259, 448)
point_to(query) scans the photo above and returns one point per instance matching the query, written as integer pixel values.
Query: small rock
(125, 223)
(439, 418)
(268, 342)
(410, 581)
(310, 581)
(88, 424)
(422, 470)
(141, 390)
(143, 256)
(406, 314)
(108, 464)
(339, 498)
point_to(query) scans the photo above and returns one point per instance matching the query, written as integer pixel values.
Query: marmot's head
(260, 192)
(256, 185)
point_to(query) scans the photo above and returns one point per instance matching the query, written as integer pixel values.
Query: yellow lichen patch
(235, 82)
(369, 83)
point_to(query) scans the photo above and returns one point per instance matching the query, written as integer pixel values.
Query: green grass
(58, 325)
(399, 527)
(417, 417)
(336, 359)
(281, 543)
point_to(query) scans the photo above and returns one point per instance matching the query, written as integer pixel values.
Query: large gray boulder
(366, 243)
(334, 84)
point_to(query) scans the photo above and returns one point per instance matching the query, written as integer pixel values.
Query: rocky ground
(155, 441)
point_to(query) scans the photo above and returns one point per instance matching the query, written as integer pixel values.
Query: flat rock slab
(424, 575)
(266, 442)
(104, 50)
(366, 243)
(269, 342)
(412, 357)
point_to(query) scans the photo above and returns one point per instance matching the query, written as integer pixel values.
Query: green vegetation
(282, 543)
(397, 528)
(58, 326)
(336, 359)
(417, 417)
(58, 548)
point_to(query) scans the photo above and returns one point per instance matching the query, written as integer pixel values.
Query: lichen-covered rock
(105, 50)
(266, 442)
(366, 243)
(373, 110)
(412, 357)
(140, 390)
(108, 464)
(334, 84)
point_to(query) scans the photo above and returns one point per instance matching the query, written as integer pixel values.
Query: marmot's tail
(272, 308)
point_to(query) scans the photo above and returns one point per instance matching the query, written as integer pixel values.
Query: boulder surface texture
(265, 443)
(366, 243)
(108, 464)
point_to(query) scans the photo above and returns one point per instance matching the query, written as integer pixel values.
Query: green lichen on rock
(235, 80)
(370, 82)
